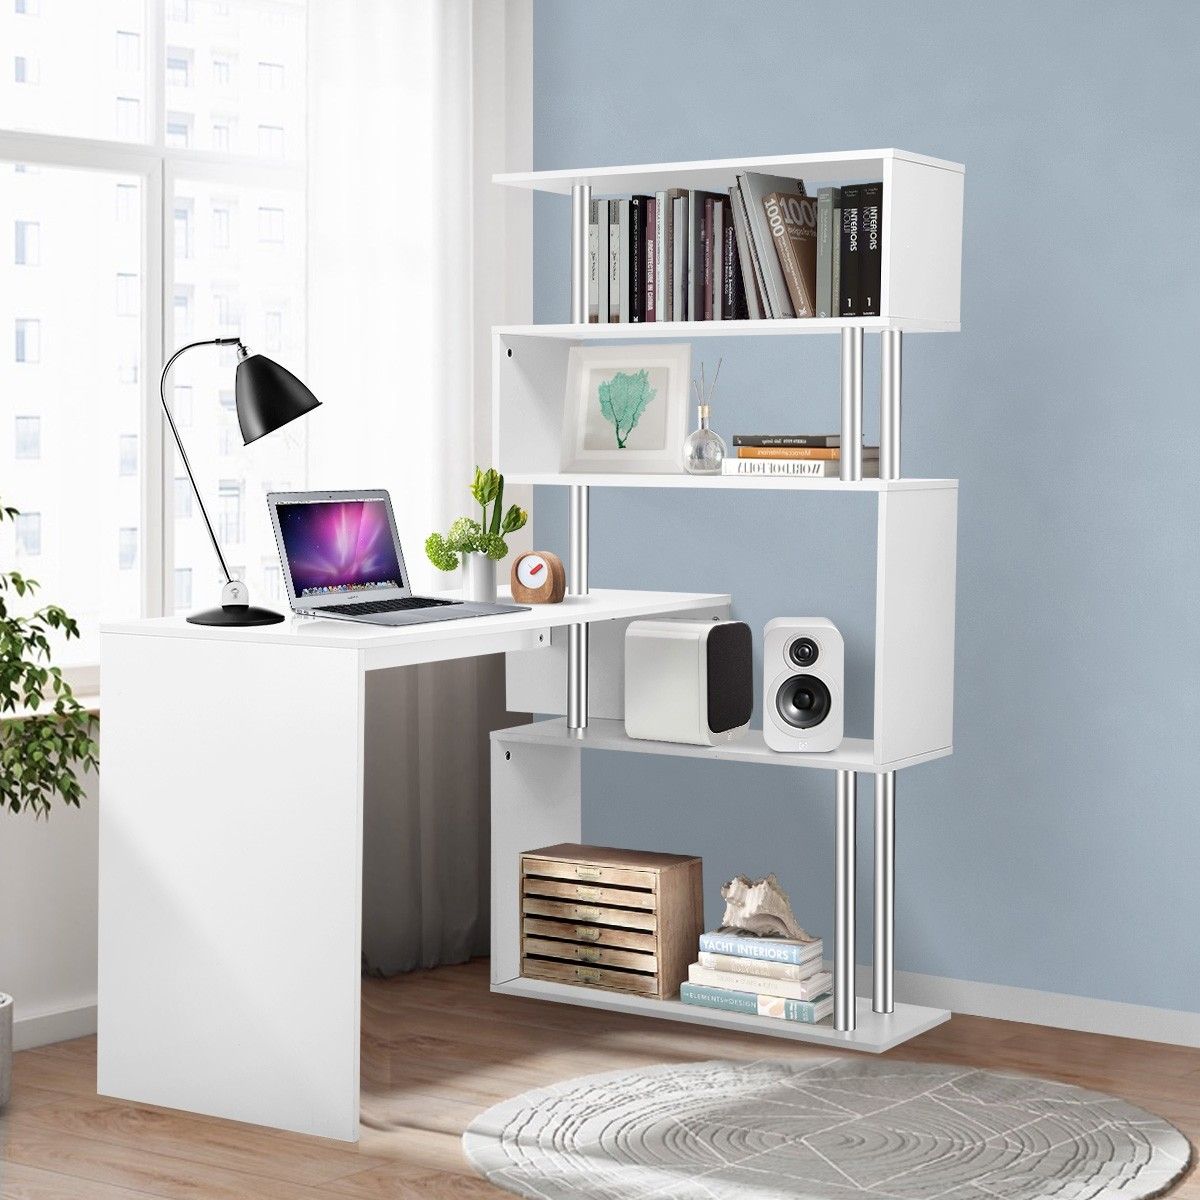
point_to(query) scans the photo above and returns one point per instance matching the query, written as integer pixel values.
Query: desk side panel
(230, 880)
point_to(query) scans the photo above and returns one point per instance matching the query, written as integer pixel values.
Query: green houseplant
(45, 733)
(479, 544)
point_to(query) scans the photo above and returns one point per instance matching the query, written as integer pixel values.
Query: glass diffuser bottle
(703, 449)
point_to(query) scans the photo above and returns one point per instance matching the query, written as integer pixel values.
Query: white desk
(231, 808)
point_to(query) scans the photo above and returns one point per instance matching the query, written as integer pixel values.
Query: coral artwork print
(623, 399)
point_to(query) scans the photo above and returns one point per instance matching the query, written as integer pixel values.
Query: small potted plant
(40, 753)
(479, 544)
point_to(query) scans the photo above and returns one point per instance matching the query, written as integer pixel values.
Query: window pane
(247, 60)
(70, 445)
(27, 239)
(63, 74)
(235, 284)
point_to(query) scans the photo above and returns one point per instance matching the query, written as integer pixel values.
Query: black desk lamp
(267, 397)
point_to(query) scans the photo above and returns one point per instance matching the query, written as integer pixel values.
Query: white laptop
(342, 558)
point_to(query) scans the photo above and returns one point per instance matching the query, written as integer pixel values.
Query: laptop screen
(338, 546)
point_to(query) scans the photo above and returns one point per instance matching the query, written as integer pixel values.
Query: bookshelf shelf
(537, 769)
(854, 754)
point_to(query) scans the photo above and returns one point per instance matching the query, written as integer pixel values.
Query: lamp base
(236, 615)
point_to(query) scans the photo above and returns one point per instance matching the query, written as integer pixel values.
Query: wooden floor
(437, 1049)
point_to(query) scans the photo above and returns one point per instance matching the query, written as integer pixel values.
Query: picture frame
(626, 408)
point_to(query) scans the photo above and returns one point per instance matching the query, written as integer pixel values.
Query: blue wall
(1057, 848)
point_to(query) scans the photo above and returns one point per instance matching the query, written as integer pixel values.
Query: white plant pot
(479, 578)
(6, 1030)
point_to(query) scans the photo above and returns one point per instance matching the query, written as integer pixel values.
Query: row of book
(812, 455)
(765, 249)
(764, 976)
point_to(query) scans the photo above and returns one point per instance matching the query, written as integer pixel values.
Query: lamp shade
(268, 396)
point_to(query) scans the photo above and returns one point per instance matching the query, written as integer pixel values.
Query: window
(270, 76)
(27, 243)
(227, 314)
(270, 224)
(222, 70)
(183, 498)
(220, 227)
(220, 136)
(273, 330)
(25, 69)
(226, 399)
(181, 405)
(129, 118)
(179, 130)
(270, 141)
(129, 51)
(183, 231)
(179, 11)
(273, 581)
(127, 201)
(229, 512)
(25, 8)
(182, 588)
(179, 67)
(29, 340)
(128, 299)
(127, 548)
(28, 440)
(181, 308)
(127, 455)
(29, 534)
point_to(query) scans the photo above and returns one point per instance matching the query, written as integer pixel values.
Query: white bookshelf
(537, 769)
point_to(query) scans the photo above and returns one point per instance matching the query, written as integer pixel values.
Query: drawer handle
(587, 975)
(588, 893)
(588, 954)
(585, 933)
(587, 872)
(587, 914)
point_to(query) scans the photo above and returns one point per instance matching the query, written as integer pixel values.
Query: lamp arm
(187, 466)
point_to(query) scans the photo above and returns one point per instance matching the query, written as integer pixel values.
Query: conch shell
(760, 907)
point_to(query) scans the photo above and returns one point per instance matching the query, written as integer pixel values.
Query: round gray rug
(830, 1127)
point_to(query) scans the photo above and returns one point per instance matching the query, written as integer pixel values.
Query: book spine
(759, 968)
(762, 948)
(706, 235)
(812, 988)
(851, 257)
(614, 261)
(774, 286)
(745, 262)
(718, 259)
(803, 1011)
(662, 254)
(825, 252)
(787, 439)
(835, 280)
(731, 297)
(679, 256)
(637, 255)
(823, 453)
(871, 227)
(623, 296)
(593, 313)
(601, 207)
(650, 310)
(695, 252)
(789, 263)
(794, 466)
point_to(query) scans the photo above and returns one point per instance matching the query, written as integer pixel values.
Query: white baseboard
(1111, 1017)
(43, 1028)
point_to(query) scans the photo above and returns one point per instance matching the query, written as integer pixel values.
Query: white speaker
(688, 681)
(804, 674)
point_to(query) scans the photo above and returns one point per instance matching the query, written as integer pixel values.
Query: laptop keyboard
(363, 607)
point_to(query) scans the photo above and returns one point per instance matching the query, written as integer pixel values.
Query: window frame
(159, 168)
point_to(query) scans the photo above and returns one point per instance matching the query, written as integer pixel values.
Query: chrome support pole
(843, 908)
(577, 635)
(581, 205)
(882, 999)
(852, 404)
(889, 405)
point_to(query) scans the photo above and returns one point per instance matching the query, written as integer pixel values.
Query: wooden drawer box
(625, 920)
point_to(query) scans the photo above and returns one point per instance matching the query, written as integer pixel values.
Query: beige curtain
(396, 330)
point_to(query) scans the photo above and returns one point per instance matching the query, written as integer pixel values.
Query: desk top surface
(599, 605)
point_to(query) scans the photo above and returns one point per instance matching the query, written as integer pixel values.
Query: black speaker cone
(803, 701)
(803, 652)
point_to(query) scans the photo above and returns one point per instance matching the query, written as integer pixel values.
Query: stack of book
(817, 455)
(770, 977)
(763, 249)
